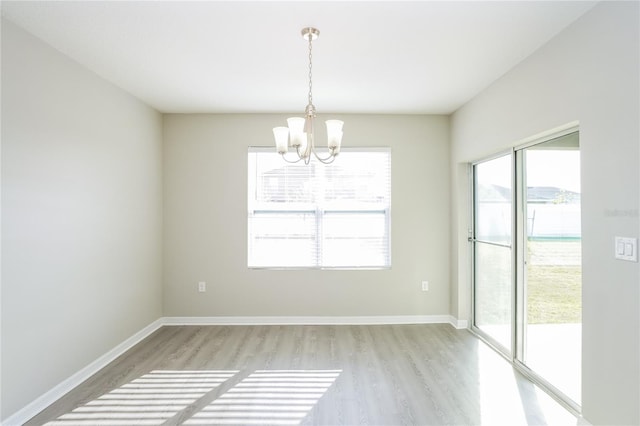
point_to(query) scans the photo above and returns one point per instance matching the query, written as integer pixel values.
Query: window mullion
(320, 202)
(319, 237)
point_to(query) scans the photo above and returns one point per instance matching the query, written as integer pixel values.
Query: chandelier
(300, 133)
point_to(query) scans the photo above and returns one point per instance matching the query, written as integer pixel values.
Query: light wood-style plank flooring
(308, 375)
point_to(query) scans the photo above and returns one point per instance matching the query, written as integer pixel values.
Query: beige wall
(81, 217)
(589, 73)
(205, 208)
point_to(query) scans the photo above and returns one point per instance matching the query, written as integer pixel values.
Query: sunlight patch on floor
(148, 400)
(277, 397)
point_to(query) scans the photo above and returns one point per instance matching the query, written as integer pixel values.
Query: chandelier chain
(310, 66)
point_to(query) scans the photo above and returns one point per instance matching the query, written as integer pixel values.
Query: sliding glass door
(526, 247)
(492, 240)
(551, 287)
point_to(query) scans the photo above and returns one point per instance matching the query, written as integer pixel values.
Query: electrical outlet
(425, 285)
(202, 286)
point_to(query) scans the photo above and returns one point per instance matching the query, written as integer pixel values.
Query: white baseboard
(35, 407)
(48, 398)
(583, 422)
(459, 324)
(317, 320)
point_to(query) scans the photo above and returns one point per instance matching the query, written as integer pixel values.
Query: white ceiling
(426, 57)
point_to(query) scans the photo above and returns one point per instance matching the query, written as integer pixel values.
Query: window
(317, 215)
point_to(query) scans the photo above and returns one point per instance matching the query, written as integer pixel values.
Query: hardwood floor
(309, 375)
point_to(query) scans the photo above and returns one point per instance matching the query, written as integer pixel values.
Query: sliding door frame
(516, 352)
(506, 352)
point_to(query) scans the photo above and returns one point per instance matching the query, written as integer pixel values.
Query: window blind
(317, 215)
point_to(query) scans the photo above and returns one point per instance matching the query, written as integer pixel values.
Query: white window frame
(320, 212)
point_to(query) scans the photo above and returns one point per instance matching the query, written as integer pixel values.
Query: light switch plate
(626, 249)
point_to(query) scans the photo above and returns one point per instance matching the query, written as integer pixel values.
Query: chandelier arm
(305, 154)
(290, 161)
(310, 141)
(328, 160)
